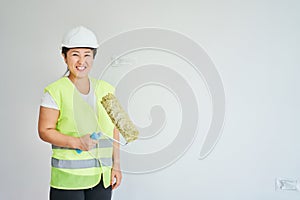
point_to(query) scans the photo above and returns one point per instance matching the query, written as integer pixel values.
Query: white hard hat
(80, 37)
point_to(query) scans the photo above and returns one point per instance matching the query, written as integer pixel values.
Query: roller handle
(94, 136)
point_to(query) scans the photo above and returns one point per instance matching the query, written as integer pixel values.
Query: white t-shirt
(48, 101)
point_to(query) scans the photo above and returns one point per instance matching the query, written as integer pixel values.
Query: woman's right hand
(86, 142)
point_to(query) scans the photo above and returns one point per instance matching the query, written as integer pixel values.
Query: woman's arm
(116, 149)
(116, 175)
(47, 131)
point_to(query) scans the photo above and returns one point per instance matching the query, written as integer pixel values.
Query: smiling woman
(79, 62)
(73, 175)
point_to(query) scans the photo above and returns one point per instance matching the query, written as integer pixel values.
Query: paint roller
(119, 118)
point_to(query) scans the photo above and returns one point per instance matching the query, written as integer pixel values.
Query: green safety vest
(72, 170)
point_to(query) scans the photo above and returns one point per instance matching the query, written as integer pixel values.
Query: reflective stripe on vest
(80, 164)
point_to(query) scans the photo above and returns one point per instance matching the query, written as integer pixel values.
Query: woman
(67, 120)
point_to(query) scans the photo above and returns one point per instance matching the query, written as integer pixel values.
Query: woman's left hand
(116, 177)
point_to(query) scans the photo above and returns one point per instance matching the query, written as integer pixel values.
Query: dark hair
(64, 51)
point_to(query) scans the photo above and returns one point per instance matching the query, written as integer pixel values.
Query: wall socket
(287, 184)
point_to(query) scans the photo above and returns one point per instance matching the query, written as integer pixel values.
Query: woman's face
(79, 61)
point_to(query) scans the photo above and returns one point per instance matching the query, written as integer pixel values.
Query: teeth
(81, 68)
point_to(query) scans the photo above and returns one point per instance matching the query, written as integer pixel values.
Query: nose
(81, 60)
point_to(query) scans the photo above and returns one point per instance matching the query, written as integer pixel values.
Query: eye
(74, 54)
(87, 55)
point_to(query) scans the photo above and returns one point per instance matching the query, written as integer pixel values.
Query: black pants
(96, 193)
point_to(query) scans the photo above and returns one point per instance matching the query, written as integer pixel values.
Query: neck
(82, 84)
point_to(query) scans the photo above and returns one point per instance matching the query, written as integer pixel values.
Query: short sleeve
(48, 101)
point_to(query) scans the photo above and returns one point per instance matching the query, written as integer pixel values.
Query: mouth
(80, 68)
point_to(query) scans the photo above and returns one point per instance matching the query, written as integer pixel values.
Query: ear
(65, 59)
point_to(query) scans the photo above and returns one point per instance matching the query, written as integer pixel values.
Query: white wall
(254, 45)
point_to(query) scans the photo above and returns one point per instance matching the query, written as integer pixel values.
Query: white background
(255, 47)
